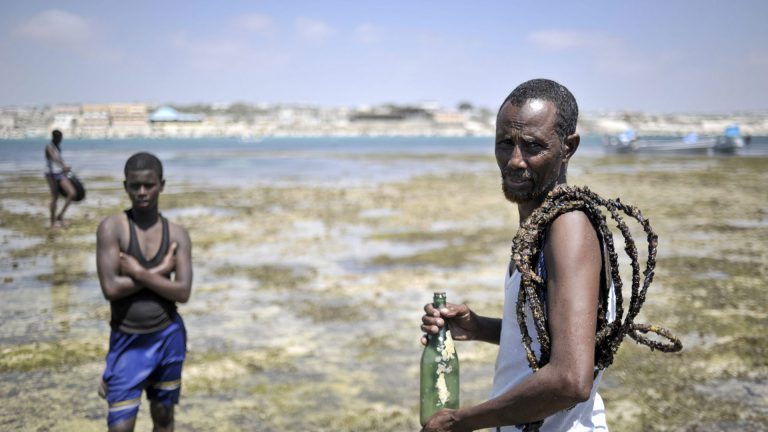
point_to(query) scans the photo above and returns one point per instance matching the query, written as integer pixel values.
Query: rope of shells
(526, 249)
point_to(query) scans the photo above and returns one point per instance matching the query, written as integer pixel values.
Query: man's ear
(162, 185)
(125, 185)
(571, 144)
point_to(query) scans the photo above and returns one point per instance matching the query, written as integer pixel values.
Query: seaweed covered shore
(307, 298)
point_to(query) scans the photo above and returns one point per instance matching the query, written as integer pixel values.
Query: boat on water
(628, 142)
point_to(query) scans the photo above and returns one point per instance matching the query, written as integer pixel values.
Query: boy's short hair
(144, 161)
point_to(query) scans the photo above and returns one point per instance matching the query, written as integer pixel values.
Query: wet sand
(307, 300)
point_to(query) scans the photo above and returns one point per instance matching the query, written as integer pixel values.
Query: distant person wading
(56, 174)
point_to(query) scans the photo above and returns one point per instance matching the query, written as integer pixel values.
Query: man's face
(143, 187)
(529, 152)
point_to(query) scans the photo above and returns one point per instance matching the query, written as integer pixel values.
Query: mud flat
(307, 299)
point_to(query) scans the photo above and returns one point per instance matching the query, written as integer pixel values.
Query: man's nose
(516, 159)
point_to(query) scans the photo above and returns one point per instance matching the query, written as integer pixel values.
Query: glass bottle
(439, 370)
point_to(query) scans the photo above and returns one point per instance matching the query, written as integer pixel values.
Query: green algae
(175, 199)
(370, 348)
(710, 281)
(665, 388)
(212, 372)
(709, 289)
(26, 224)
(297, 405)
(326, 312)
(63, 278)
(60, 247)
(271, 276)
(202, 241)
(462, 248)
(383, 419)
(46, 355)
(721, 296)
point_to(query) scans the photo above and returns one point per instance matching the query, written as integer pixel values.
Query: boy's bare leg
(162, 416)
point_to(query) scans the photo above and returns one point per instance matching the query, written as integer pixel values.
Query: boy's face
(143, 188)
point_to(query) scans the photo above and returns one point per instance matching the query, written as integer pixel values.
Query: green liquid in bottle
(439, 371)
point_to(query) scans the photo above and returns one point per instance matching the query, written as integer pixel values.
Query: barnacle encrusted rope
(526, 247)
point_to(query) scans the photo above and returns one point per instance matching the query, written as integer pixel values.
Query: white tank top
(512, 367)
(50, 166)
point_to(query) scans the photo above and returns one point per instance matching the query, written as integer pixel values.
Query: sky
(665, 56)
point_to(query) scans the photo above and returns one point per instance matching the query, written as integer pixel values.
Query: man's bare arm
(177, 289)
(573, 261)
(114, 286)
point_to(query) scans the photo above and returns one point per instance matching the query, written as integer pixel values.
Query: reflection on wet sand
(61, 293)
(305, 308)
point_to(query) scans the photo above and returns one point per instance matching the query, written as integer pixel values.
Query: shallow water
(308, 290)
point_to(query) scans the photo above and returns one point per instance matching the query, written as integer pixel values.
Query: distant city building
(65, 119)
(166, 121)
(33, 122)
(254, 121)
(128, 120)
(94, 122)
(7, 121)
(393, 120)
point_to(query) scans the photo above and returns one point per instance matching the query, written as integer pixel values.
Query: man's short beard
(517, 197)
(534, 195)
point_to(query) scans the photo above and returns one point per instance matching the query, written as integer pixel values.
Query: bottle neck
(438, 301)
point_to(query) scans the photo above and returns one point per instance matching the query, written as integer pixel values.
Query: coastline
(112, 121)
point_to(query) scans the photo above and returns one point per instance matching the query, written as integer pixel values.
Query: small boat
(730, 141)
(628, 142)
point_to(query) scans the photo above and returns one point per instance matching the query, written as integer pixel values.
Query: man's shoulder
(177, 231)
(112, 221)
(572, 219)
(572, 235)
(111, 229)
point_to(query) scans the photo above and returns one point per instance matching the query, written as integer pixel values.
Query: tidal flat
(307, 299)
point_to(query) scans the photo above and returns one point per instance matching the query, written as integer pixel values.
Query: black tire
(79, 188)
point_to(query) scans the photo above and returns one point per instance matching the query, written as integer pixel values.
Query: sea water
(311, 160)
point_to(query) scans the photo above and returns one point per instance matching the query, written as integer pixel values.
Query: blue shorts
(149, 361)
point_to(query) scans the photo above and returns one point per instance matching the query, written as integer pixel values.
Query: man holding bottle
(535, 139)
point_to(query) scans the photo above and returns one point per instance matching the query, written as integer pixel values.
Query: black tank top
(144, 311)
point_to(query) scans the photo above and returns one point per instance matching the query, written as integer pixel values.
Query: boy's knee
(162, 415)
(126, 425)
